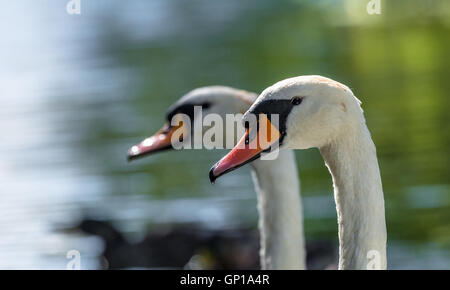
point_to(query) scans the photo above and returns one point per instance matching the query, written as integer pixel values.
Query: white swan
(315, 111)
(276, 182)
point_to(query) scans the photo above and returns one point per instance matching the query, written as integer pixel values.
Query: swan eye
(206, 105)
(296, 100)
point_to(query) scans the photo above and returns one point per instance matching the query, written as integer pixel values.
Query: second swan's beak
(248, 148)
(156, 143)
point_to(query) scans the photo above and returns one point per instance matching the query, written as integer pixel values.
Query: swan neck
(280, 212)
(358, 193)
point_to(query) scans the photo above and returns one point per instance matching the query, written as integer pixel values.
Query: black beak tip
(131, 154)
(129, 157)
(212, 176)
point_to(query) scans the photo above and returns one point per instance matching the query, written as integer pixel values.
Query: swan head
(219, 100)
(312, 112)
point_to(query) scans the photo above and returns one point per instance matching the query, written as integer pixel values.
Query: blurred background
(76, 91)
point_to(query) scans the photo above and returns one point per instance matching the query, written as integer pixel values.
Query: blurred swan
(315, 111)
(276, 182)
(195, 246)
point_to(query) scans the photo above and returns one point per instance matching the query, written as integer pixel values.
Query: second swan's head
(311, 111)
(212, 100)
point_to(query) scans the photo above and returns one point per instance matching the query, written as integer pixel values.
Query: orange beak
(159, 142)
(247, 150)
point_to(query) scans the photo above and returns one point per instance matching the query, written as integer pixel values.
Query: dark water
(77, 91)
